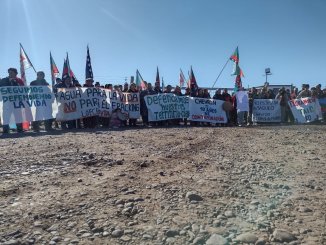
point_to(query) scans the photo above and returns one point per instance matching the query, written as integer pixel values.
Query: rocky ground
(198, 185)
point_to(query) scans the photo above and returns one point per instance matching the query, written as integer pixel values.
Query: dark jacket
(42, 82)
(7, 82)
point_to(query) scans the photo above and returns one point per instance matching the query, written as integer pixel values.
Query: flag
(25, 63)
(162, 84)
(237, 83)
(157, 80)
(237, 70)
(54, 70)
(140, 80)
(182, 79)
(68, 72)
(192, 79)
(235, 56)
(88, 70)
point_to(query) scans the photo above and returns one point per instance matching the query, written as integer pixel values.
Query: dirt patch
(183, 185)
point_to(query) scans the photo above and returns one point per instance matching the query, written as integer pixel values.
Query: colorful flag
(88, 71)
(68, 72)
(140, 80)
(25, 63)
(157, 80)
(192, 79)
(237, 83)
(182, 79)
(237, 70)
(54, 70)
(235, 56)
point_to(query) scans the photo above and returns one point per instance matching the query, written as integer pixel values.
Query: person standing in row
(89, 122)
(40, 81)
(67, 83)
(12, 80)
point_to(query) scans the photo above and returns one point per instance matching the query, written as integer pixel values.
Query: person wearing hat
(12, 80)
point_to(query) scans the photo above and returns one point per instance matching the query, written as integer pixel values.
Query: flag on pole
(157, 80)
(88, 71)
(68, 72)
(140, 80)
(25, 63)
(54, 70)
(237, 70)
(192, 79)
(182, 79)
(237, 83)
(235, 56)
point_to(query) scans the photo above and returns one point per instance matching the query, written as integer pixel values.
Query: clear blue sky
(289, 36)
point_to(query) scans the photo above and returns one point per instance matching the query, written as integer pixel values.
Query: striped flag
(192, 79)
(54, 70)
(235, 56)
(182, 79)
(237, 70)
(140, 80)
(25, 63)
(68, 72)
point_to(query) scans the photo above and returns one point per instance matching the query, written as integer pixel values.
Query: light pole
(267, 73)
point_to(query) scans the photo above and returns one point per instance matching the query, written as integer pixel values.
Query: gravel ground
(181, 185)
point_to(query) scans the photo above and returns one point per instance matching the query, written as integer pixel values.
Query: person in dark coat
(89, 122)
(40, 81)
(132, 89)
(67, 83)
(12, 80)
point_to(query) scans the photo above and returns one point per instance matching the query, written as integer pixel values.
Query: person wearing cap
(40, 81)
(97, 85)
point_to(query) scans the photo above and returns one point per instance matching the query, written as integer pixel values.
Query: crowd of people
(120, 119)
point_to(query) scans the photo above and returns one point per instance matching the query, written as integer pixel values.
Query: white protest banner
(75, 103)
(21, 104)
(266, 110)
(206, 110)
(166, 106)
(305, 110)
(242, 101)
(127, 102)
